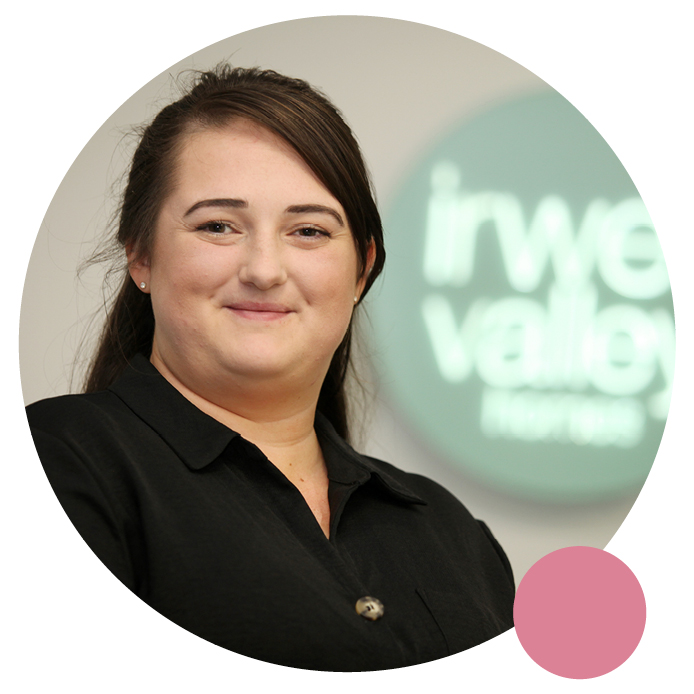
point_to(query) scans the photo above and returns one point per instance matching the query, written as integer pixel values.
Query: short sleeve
(499, 550)
(95, 515)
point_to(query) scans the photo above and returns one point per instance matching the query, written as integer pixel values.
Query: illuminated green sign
(525, 326)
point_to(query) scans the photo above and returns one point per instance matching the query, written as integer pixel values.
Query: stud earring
(356, 298)
(143, 285)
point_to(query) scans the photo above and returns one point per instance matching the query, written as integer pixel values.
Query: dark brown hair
(299, 114)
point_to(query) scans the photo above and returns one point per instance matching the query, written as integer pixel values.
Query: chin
(257, 364)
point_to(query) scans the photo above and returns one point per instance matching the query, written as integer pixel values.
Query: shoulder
(89, 426)
(67, 413)
(447, 513)
(88, 447)
(78, 439)
(428, 490)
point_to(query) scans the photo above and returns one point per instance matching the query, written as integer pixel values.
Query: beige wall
(400, 86)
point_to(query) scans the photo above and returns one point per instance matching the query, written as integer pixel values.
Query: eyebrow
(320, 209)
(217, 202)
(292, 209)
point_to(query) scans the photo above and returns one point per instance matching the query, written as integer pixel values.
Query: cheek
(331, 293)
(185, 271)
(330, 284)
(182, 287)
(335, 272)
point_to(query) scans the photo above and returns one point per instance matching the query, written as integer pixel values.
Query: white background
(68, 625)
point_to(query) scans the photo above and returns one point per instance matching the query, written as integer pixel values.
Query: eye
(215, 228)
(311, 232)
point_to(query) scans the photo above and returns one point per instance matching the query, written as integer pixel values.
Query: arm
(95, 514)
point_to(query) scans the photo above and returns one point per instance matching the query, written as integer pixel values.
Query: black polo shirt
(198, 523)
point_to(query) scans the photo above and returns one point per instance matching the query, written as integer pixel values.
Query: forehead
(247, 155)
(238, 131)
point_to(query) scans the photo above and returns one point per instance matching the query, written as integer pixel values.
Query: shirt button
(369, 608)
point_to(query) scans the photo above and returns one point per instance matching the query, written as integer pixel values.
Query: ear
(138, 267)
(370, 259)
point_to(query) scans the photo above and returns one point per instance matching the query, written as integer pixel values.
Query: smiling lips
(258, 311)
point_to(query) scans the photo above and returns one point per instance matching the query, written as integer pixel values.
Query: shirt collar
(199, 439)
(196, 437)
(346, 466)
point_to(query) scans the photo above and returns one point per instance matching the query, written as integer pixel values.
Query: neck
(278, 418)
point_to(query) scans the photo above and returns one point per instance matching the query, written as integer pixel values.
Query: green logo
(525, 326)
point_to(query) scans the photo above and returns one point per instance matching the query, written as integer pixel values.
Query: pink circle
(579, 612)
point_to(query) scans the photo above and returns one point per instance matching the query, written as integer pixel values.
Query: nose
(262, 263)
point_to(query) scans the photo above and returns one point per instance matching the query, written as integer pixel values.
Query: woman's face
(253, 270)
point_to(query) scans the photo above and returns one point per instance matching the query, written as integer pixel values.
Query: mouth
(259, 311)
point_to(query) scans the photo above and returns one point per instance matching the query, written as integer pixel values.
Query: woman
(207, 463)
